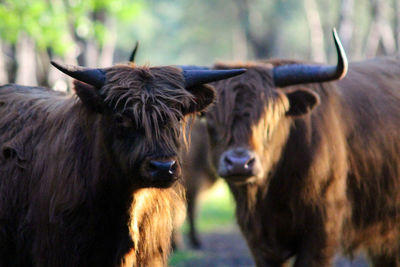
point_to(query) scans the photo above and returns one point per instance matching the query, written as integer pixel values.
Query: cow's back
(23, 107)
(371, 112)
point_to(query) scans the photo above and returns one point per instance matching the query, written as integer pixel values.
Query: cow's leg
(262, 261)
(191, 197)
(383, 260)
(273, 264)
(177, 240)
(318, 246)
(313, 257)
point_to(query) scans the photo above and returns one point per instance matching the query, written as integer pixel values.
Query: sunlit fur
(330, 180)
(147, 224)
(71, 187)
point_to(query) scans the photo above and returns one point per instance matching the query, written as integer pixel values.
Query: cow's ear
(301, 101)
(204, 95)
(89, 96)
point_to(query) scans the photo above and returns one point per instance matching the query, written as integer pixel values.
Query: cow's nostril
(250, 163)
(161, 172)
(173, 167)
(162, 166)
(238, 162)
(228, 161)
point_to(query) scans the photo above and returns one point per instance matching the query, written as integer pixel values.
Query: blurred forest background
(101, 32)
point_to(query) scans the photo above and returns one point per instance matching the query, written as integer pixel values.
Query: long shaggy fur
(331, 178)
(71, 190)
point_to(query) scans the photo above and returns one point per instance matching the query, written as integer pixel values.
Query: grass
(180, 257)
(215, 209)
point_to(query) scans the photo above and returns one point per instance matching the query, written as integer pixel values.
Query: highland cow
(313, 163)
(92, 179)
(197, 172)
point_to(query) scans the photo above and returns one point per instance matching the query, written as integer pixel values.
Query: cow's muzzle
(161, 172)
(238, 164)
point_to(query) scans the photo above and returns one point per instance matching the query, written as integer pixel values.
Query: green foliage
(175, 31)
(54, 23)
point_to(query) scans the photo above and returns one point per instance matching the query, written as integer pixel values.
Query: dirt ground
(226, 248)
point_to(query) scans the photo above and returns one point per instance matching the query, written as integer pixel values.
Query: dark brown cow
(197, 171)
(91, 180)
(314, 168)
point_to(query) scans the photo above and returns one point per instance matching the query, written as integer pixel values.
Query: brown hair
(72, 176)
(330, 176)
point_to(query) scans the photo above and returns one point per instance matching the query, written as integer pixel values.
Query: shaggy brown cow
(315, 167)
(89, 180)
(198, 174)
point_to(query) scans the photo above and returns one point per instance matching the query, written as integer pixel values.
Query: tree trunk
(91, 53)
(397, 24)
(107, 51)
(26, 61)
(239, 44)
(3, 70)
(380, 32)
(346, 24)
(11, 62)
(43, 67)
(263, 44)
(316, 33)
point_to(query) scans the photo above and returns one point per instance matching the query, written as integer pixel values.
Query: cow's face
(250, 122)
(139, 115)
(143, 114)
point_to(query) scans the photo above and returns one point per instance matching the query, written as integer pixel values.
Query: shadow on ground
(227, 248)
(221, 248)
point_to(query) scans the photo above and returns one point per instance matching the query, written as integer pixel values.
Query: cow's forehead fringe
(150, 95)
(257, 79)
(245, 100)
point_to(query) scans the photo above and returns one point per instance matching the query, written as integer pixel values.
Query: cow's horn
(305, 73)
(193, 67)
(132, 57)
(91, 76)
(195, 77)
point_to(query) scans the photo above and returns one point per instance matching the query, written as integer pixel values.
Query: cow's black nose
(163, 169)
(239, 162)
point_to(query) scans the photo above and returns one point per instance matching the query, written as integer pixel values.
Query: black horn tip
(90, 76)
(64, 67)
(57, 65)
(196, 77)
(133, 54)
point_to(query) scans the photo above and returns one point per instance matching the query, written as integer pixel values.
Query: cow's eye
(246, 115)
(119, 119)
(122, 121)
(212, 132)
